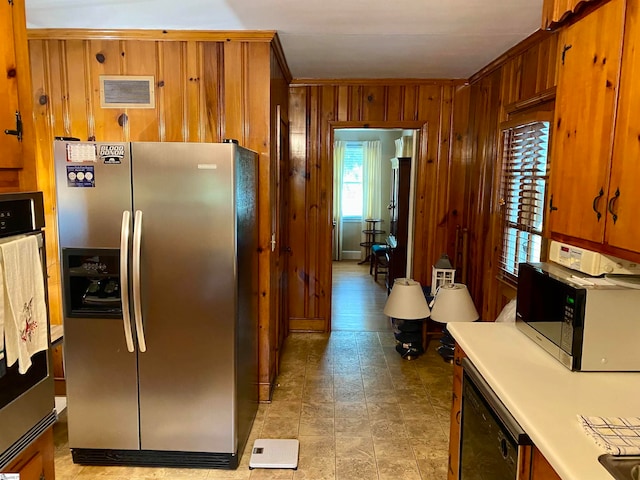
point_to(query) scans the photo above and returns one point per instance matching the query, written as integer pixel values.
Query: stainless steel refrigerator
(158, 245)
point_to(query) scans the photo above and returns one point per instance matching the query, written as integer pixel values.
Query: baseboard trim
(307, 325)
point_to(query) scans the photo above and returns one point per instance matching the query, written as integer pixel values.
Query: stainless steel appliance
(587, 324)
(159, 265)
(492, 444)
(621, 467)
(27, 406)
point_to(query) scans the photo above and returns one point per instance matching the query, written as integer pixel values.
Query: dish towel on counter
(23, 310)
(618, 436)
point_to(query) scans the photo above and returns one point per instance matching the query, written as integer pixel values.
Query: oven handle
(137, 304)
(125, 232)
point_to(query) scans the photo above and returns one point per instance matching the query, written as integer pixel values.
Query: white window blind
(523, 182)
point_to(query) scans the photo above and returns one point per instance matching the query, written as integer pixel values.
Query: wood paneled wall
(517, 80)
(314, 111)
(457, 162)
(209, 86)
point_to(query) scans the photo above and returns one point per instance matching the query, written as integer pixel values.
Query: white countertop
(545, 397)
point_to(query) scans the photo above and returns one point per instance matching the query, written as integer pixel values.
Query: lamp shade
(406, 301)
(453, 304)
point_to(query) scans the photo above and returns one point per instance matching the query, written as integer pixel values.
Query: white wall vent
(120, 91)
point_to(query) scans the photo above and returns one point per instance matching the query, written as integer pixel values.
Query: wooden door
(10, 145)
(623, 227)
(585, 107)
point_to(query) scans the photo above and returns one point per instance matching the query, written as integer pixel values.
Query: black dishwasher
(491, 440)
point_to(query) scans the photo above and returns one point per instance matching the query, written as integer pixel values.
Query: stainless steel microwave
(590, 325)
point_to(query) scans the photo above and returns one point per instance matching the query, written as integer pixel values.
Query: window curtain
(338, 170)
(372, 179)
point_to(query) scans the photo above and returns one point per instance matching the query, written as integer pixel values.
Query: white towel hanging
(23, 306)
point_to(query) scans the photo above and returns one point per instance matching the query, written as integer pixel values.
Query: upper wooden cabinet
(555, 12)
(622, 225)
(10, 145)
(588, 77)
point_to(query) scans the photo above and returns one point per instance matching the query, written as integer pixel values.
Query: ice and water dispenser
(92, 282)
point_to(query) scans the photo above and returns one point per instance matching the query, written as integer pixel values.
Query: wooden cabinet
(456, 408)
(588, 74)
(622, 225)
(556, 11)
(36, 462)
(540, 467)
(399, 218)
(10, 31)
(17, 152)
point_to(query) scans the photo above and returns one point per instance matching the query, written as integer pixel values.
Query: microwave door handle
(137, 304)
(125, 233)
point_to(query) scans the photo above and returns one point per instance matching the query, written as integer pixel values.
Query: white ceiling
(330, 38)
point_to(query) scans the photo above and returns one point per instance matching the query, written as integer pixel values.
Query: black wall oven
(27, 406)
(492, 444)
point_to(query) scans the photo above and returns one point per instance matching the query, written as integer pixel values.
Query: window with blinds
(352, 190)
(523, 181)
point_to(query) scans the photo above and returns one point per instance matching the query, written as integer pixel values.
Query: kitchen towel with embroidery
(618, 436)
(23, 308)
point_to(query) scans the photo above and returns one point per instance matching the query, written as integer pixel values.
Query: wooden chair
(379, 261)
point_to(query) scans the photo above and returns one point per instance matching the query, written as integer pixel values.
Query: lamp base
(409, 351)
(408, 334)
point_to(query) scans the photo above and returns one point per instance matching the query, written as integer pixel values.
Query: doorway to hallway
(357, 299)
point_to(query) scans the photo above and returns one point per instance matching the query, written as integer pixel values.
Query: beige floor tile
(316, 426)
(321, 394)
(351, 410)
(394, 469)
(278, 427)
(352, 427)
(356, 469)
(355, 448)
(284, 392)
(317, 410)
(284, 408)
(384, 429)
(349, 394)
(314, 448)
(314, 473)
(271, 474)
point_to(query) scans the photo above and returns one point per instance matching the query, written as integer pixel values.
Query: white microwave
(586, 327)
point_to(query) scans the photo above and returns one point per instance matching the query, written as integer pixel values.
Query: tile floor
(358, 409)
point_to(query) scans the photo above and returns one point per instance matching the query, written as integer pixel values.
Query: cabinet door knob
(595, 203)
(551, 207)
(612, 201)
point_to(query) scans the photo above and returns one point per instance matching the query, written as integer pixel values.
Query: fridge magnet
(80, 176)
(81, 152)
(111, 154)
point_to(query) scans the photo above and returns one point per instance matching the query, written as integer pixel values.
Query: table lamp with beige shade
(407, 304)
(452, 303)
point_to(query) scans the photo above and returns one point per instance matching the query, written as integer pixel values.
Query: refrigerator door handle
(124, 277)
(137, 304)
